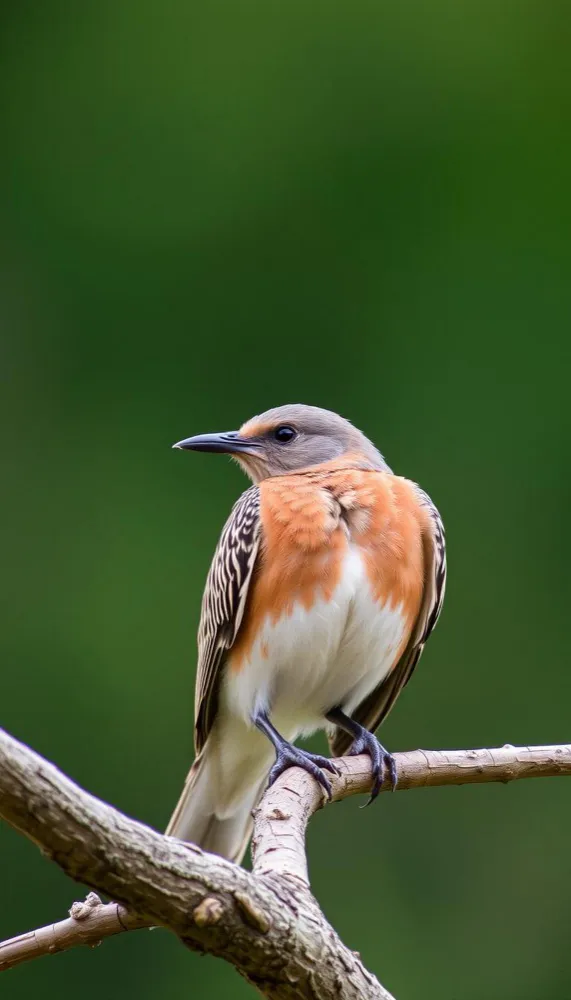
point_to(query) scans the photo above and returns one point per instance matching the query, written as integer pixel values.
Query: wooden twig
(286, 808)
(88, 923)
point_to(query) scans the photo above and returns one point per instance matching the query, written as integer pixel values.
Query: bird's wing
(223, 604)
(371, 712)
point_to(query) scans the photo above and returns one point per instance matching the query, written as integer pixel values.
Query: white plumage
(334, 654)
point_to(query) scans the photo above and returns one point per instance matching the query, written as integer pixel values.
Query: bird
(328, 578)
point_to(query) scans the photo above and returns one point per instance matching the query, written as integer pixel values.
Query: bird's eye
(284, 434)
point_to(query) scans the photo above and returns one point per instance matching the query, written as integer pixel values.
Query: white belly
(335, 654)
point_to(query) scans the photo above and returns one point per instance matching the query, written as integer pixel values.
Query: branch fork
(265, 922)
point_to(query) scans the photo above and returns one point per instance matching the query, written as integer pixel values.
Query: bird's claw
(381, 759)
(313, 763)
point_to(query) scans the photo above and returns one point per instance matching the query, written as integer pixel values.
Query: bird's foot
(289, 756)
(381, 761)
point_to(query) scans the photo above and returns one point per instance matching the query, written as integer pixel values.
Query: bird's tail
(206, 816)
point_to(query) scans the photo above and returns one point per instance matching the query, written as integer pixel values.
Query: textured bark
(270, 928)
(88, 923)
(266, 923)
(282, 816)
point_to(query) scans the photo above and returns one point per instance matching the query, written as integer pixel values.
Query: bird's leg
(289, 756)
(366, 742)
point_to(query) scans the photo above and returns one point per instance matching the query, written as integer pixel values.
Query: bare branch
(266, 923)
(286, 808)
(88, 923)
(270, 928)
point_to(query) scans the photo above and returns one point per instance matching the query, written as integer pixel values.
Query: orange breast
(309, 520)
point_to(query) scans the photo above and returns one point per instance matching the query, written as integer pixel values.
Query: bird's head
(287, 439)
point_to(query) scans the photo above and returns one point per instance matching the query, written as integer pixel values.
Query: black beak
(228, 443)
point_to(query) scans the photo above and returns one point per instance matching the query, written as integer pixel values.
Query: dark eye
(284, 434)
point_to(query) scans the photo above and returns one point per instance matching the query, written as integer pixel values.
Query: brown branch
(88, 923)
(266, 923)
(270, 928)
(278, 845)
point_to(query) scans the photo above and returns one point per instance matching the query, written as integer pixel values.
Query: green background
(211, 209)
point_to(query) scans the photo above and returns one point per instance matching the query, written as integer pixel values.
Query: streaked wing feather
(371, 712)
(223, 604)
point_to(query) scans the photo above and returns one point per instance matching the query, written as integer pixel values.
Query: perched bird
(326, 583)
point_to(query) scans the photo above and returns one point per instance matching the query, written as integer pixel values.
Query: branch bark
(266, 923)
(88, 923)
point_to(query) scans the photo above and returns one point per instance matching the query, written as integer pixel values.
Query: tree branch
(88, 923)
(278, 844)
(266, 923)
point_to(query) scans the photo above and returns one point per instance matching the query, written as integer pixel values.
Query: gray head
(288, 438)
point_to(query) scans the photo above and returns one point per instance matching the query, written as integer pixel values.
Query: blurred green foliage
(210, 209)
